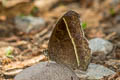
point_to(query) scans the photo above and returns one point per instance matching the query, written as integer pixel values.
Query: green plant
(9, 52)
(21, 15)
(84, 25)
(112, 11)
(34, 10)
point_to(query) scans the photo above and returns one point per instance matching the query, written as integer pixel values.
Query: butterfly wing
(67, 44)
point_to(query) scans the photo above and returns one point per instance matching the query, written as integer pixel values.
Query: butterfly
(68, 44)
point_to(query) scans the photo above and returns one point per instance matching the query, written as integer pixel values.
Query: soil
(19, 50)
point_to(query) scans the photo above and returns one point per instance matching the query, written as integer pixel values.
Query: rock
(47, 71)
(95, 72)
(100, 45)
(117, 19)
(115, 2)
(28, 23)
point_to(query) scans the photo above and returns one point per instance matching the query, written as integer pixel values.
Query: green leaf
(34, 10)
(112, 11)
(84, 25)
(21, 15)
(9, 52)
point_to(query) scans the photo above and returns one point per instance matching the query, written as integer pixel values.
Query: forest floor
(20, 49)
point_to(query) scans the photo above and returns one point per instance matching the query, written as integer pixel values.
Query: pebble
(29, 23)
(117, 19)
(100, 45)
(47, 71)
(95, 72)
(115, 2)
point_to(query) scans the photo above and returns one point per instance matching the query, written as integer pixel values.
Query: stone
(95, 72)
(28, 23)
(100, 45)
(115, 2)
(47, 71)
(117, 19)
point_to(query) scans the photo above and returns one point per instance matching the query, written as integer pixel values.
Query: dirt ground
(19, 50)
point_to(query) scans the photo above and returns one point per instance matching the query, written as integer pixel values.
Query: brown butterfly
(67, 44)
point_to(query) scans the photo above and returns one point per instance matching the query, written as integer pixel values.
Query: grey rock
(95, 72)
(29, 23)
(100, 45)
(115, 2)
(117, 19)
(47, 71)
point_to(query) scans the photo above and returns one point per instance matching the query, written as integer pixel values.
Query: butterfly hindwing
(67, 44)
